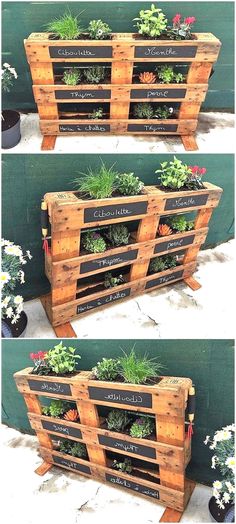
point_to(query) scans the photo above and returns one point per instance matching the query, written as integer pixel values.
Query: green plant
(151, 22)
(194, 178)
(93, 242)
(143, 110)
(72, 77)
(94, 74)
(46, 411)
(98, 30)
(179, 223)
(76, 449)
(128, 184)
(159, 264)
(8, 74)
(167, 74)
(181, 29)
(96, 113)
(125, 467)
(174, 174)
(110, 281)
(138, 370)
(163, 112)
(67, 27)
(99, 183)
(142, 427)
(118, 235)
(56, 408)
(61, 359)
(106, 369)
(117, 420)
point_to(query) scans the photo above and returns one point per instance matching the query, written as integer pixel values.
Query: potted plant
(153, 24)
(222, 504)
(58, 361)
(10, 119)
(68, 27)
(14, 319)
(177, 176)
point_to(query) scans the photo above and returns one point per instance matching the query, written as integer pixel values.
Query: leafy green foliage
(55, 409)
(117, 420)
(72, 76)
(162, 263)
(95, 74)
(67, 27)
(61, 359)
(142, 427)
(93, 242)
(174, 174)
(96, 113)
(98, 30)
(118, 235)
(8, 75)
(167, 75)
(110, 281)
(163, 112)
(143, 110)
(137, 370)
(106, 369)
(151, 22)
(76, 449)
(179, 223)
(46, 411)
(128, 184)
(99, 183)
(125, 466)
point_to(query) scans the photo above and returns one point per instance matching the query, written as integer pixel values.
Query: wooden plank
(48, 142)
(43, 468)
(192, 283)
(65, 331)
(189, 142)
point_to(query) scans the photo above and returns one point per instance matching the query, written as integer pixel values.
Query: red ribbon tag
(190, 430)
(45, 246)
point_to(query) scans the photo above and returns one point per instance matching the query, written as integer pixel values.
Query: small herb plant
(159, 264)
(179, 223)
(129, 184)
(98, 184)
(93, 242)
(118, 235)
(167, 75)
(174, 174)
(147, 78)
(143, 110)
(106, 369)
(60, 360)
(151, 22)
(138, 370)
(163, 112)
(117, 420)
(125, 466)
(110, 281)
(96, 114)
(56, 409)
(194, 178)
(94, 74)
(181, 28)
(98, 30)
(76, 449)
(142, 427)
(72, 76)
(67, 27)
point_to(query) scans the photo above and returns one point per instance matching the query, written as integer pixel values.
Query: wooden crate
(123, 52)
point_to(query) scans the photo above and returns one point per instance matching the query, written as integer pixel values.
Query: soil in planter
(150, 382)
(155, 105)
(9, 119)
(126, 431)
(81, 111)
(82, 196)
(141, 468)
(163, 36)
(95, 283)
(59, 68)
(183, 188)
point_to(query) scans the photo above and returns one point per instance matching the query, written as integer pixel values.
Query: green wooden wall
(26, 178)
(210, 364)
(22, 18)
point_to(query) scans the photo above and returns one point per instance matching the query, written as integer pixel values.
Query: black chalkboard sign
(128, 484)
(71, 464)
(128, 447)
(83, 94)
(104, 262)
(168, 51)
(163, 280)
(96, 214)
(50, 387)
(79, 51)
(153, 128)
(121, 396)
(57, 427)
(175, 243)
(185, 201)
(108, 299)
(158, 93)
(84, 128)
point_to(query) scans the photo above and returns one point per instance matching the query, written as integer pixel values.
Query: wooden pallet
(123, 53)
(170, 450)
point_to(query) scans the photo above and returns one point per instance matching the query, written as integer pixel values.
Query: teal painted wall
(209, 363)
(19, 19)
(26, 178)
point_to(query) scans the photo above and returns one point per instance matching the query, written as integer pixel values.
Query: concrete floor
(215, 133)
(64, 497)
(174, 311)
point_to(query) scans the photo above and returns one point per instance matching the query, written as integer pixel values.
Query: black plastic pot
(221, 515)
(10, 128)
(17, 330)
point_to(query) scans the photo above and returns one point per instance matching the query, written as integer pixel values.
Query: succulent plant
(118, 234)
(93, 242)
(94, 74)
(159, 264)
(147, 78)
(117, 420)
(72, 76)
(164, 230)
(71, 414)
(142, 427)
(70, 447)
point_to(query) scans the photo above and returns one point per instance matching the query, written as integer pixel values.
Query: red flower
(41, 354)
(190, 20)
(176, 19)
(32, 356)
(194, 169)
(202, 170)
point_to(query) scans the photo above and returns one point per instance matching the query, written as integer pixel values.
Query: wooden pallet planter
(123, 52)
(170, 450)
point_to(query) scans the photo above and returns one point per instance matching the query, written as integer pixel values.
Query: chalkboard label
(84, 94)
(50, 387)
(159, 51)
(175, 243)
(57, 427)
(108, 299)
(113, 260)
(185, 201)
(163, 280)
(120, 396)
(128, 484)
(84, 128)
(80, 52)
(158, 93)
(153, 128)
(71, 464)
(96, 214)
(128, 447)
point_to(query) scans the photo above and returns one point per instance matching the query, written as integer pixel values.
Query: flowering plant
(223, 459)
(59, 360)
(181, 29)
(194, 177)
(8, 73)
(13, 259)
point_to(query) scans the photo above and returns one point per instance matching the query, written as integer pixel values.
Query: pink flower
(176, 19)
(190, 20)
(32, 356)
(202, 170)
(194, 169)
(41, 354)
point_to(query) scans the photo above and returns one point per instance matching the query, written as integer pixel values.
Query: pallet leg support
(48, 143)
(189, 142)
(192, 283)
(43, 469)
(172, 515)
(64, 330)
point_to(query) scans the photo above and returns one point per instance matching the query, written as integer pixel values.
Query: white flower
(217, 484)
(18, 299)
(22, 276)
(13, 250)
(5, 277)
(226, 497)
(230, 487)
(29, 254)
(222, 435)
(216, 493)
(230, 462)
(5, 242)
(9, 312)
(5, 302)
(19, 308)
(6, 65)
(214, 461)
(220, 504)
(171, 110)
(207, 439)
(15, 319)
